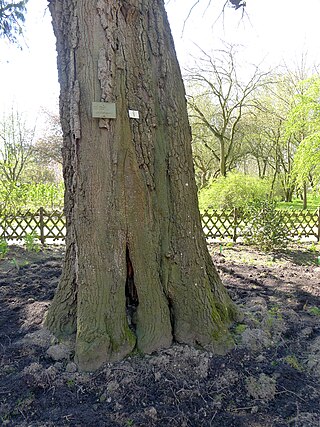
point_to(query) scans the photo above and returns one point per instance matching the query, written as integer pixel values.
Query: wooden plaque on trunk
(104, 110)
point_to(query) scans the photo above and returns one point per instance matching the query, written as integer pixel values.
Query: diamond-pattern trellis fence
(217, 225)
(42, 224)
(233, 224)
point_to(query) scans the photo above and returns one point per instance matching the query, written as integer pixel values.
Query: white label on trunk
(133, 114)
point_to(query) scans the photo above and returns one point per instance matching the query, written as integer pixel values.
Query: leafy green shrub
(3, 248)
(23, 196)
(266, 228)
(292, 361)
(30, 243)
(315, 311)
(236, 190)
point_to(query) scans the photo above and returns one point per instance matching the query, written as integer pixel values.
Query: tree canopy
(12, 17)
(304, 119)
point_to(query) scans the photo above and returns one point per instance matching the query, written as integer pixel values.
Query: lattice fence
(217, 225)
(44, 225)
(233, 224)
(303, 223)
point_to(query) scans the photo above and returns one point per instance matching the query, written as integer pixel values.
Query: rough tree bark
(137, 272)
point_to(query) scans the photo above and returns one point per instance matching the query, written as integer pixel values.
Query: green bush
(236, 190)
(23, 196)
(3, 248)
(266, 228)
(313, 202)
(30, 243)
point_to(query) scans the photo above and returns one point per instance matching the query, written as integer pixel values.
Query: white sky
(271, 30)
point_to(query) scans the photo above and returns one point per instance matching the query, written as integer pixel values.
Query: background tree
(48, 147)
(205, 163)
(267, 141)
(205, 149)
(267, 138)
(217, 100)
(16, 146)
(137, 271)
(257, 147)
(47, 152)
(304, 121)
(295, 88)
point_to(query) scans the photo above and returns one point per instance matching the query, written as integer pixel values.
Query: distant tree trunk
(137, 272)
(223, 169)
(264, 171)
(305, 196)
(288, 194)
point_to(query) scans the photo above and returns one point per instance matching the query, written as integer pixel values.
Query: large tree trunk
(137, 272)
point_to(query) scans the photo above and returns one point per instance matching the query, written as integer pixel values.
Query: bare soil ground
(271, 378)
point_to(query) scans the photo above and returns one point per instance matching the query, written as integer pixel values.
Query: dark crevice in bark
(132, 300)
(171, 311)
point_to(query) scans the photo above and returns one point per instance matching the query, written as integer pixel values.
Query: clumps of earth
(271, 378)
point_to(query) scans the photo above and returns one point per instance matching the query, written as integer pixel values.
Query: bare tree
(16, 146)
(218, 99)
(48, 148)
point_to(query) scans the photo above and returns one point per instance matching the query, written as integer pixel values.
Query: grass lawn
(313, 204)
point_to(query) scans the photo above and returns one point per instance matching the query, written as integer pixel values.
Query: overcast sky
(272, 31)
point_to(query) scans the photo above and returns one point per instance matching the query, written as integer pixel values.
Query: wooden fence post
(41, 223)
(318, 237)
(235, 223)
